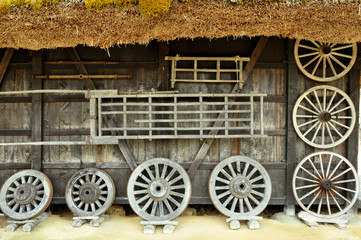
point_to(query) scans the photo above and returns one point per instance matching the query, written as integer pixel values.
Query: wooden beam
(291, 135)
(353, 139)
(80, 67)
(5, 63)
(163, 79)
(208, 142)
(37, 110)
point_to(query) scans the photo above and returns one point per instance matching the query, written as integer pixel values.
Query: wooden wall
(67, 118)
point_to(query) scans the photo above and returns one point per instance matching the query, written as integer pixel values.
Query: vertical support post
(218, 77)
(201, 115)
(353, 139)
(125, 116)
(37, 110)
(175, 116)
(150, 117)
(252, 115)
(195, 70)
(226, 122)
(163, 79)
(261, 110)
(100, 116)
(92, 113)
(291, 135)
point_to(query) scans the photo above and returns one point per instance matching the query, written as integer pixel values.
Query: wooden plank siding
(67, 118)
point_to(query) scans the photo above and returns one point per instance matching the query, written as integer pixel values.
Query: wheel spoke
(341, 55)
(306, 186)
(140, 192)
(93, 178)
(342, 47)
(334, 199)
(231, 170)
(177, 194)
(316, 66)
(338, 62)
(228, 200)
(245, 169)
(331, 100)
(331, 66)
(170, 174)
(329, 166)
(222, 180)
(226, 174)
(311, 61)
(306, 179)
(86, 207)
(345, 181)
(141, 185)
(307, 109)
(304, 169)
(341, 110)
(315, 43)
(234, 203)
(321, 166)
(335, 169)
(256, 179)
(314, 168)
(223, 194)
(241, 206)
(177, 187)
(164, 171)
(313, 199)
(257, 193)
(308, 47)
(87, 178)
(238, 165)
(176, 180)
(309, 193)
(341, 196)
(323, 134)
(156, 171)
(254, 170)
(92, 206)
(147, 180)
(250, 208)
(161, 209)
(98, 203)
(335, 129)
(307, 123)
(312, 127)
(254, 199)
(340, 124)
(320, 204)
(258, 186)
(345, 189)
(339, 175)
(329, 133)
(154, 208)
(221, 188)
(328, 204)
(316, 132)
(150, 174)
(168, 206)
(142, 199)
(174, 201)
(146, 206)
(308, 54)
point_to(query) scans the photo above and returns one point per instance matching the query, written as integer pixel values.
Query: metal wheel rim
(318, 180)
(26, 194)
(320, 65)
(90, 192)
(331, 116)
(159, 190)
(251, 199)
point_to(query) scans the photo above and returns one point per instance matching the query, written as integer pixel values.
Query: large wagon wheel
(90, 192)
(159, 190)
(324, 62)
(323, 179)
(239, 187)
(324, 116)
(26, 195)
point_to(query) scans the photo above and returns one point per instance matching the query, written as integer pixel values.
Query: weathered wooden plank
(291, 135)
(5, 63)
(246, 72)
(37, 110)
(80, 67)
(352, 148)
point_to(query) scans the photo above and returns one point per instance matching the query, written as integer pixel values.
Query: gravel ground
(203, 225)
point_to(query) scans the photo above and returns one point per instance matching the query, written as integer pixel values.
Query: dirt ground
(205, 225)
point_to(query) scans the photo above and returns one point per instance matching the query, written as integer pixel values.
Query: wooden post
(163, 79)
(37, 110)
(353, 140)
(291, 135)
(5, 63)
(246, 72)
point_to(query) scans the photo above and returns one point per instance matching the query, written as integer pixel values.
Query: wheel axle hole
(87, 192)
(242, 186)
(158, 188)
(326, 50)
(22, 191)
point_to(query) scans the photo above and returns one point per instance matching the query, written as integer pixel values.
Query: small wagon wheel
(159, 190)
(90, 192)
(324, 62)
(239, 186)
(26, 195)
(324, 116)
(323, 179)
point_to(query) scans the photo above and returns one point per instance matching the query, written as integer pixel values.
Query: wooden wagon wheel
(323, 179)
(324, 62)
(159, 190)
(239, 186)
(89, 192)
(25, 195)
(324, 116)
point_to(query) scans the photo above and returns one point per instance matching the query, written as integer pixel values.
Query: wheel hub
(25, 193)
(89, 192)
(240, 186)
(159, 189)
(325, 116)
(327, 184)
(326, 50)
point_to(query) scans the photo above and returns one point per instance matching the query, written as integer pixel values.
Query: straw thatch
(67, 26)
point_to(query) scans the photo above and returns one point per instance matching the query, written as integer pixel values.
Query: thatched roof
(66, 26)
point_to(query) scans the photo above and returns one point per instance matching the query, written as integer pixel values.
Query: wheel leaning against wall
(324, 62)
(26, 195)
(324, 116)
(323, 179)
(239, 187)
(159, 190)
(90, 192)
